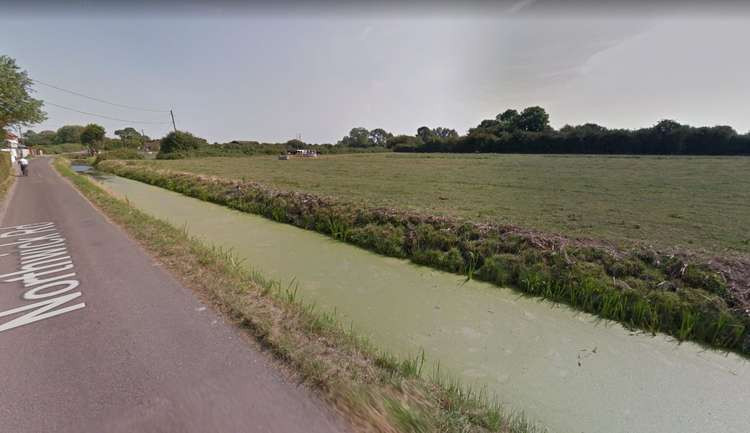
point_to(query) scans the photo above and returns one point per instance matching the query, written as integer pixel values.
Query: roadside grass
(640, 287)
(6, 173)
(373, 390)
(701, 204)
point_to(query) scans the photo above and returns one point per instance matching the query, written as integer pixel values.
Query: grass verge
(640, 288)
(6, 173)
(375, 391)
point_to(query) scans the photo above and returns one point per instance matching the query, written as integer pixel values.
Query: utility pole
(143, 140)
(173, 125)
(20, 138)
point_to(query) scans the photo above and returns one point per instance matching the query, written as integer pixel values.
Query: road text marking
(44, 258)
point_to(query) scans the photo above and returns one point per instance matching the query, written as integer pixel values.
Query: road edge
(6, 195)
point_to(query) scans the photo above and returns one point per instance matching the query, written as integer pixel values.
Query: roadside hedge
(640, 288)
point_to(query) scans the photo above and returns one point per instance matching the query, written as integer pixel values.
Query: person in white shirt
(24, 166)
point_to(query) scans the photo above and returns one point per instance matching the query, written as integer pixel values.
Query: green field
(701, 204)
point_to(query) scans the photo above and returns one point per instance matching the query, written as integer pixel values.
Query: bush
(180, 142)
(386, 239)
(92, 135)
(122, 153)
(501, 269)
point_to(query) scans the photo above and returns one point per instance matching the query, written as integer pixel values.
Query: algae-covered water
(563, 369)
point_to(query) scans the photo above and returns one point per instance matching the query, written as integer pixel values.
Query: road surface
(96, 337)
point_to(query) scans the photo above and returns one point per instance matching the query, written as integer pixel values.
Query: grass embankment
(685, 203)
(6, 173)
(640, 288)
(374, 390)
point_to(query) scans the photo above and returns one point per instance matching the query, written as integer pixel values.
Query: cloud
(519, 6)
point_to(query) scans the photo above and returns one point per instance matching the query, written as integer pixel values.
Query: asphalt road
(97, 337)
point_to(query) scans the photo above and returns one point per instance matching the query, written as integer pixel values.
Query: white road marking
(40, 255)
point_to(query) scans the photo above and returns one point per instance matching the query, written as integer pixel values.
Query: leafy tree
(666, 126)
(445, 132)
(16, 104)
(404, 143)
(358, 137)
(43, 138)
(379, 137)
(508, 120)
(425, 134)
(180, 142)
(295, 144)
(489, 123)
(92, 136)
(130, 137)
(128, 133)
(69, 134)
(533, 119)
(509, 116)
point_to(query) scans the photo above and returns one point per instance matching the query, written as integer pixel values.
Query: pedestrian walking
(24, 166)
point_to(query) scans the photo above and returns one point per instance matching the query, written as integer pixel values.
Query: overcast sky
(248, 72)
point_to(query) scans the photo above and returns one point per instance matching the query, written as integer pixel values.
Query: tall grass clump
(640, 288)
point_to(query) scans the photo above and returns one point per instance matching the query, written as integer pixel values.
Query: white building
(12, 145)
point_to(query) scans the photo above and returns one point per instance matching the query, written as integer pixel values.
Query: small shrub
(501, 269)
(624, 267)
(453, 261)
(384, 239)
(701, 277)
(427, 236)
(179, 142)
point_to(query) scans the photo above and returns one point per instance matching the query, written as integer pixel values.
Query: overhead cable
(99, 99)
(105, 117)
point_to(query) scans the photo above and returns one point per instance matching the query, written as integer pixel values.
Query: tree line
(126, 137)
(182, 144)
(511, 131)
(529, 131)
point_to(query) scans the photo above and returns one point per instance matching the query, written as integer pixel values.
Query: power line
(106, 117)
(99, 100)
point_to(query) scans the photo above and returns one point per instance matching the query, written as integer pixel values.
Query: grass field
(700, 204)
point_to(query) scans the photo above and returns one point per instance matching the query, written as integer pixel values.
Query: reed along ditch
(562, 368)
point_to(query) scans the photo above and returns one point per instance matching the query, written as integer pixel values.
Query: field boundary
(640, 288)
(374, 390)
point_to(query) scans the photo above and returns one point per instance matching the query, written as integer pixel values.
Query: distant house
(11, 139)
(152, 146)
(13, 145)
